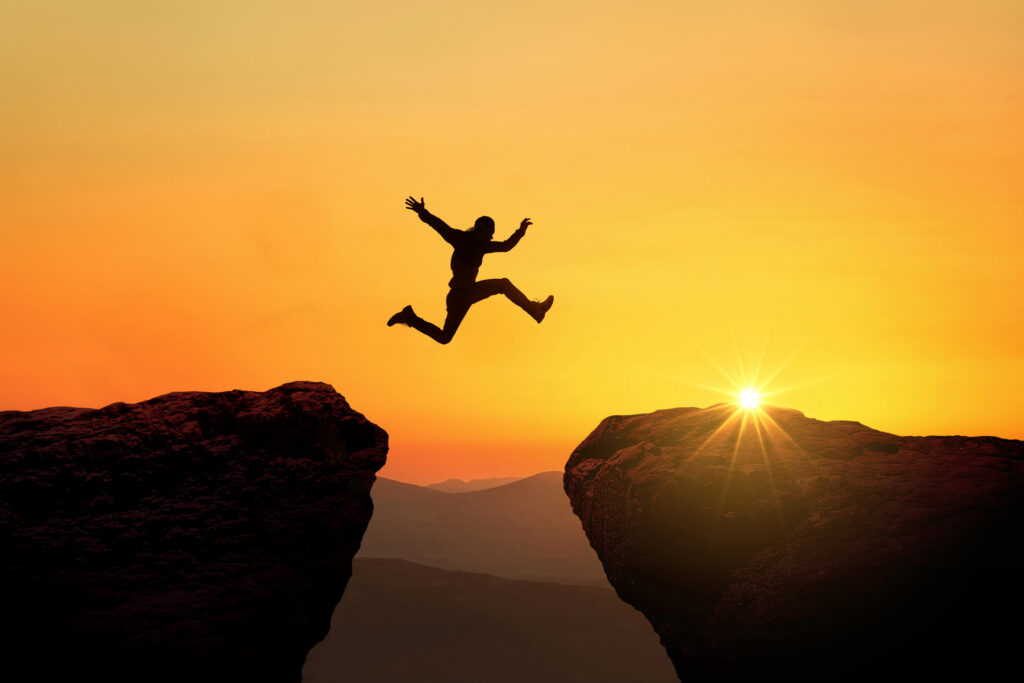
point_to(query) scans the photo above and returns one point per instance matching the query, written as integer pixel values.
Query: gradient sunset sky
(209, 196)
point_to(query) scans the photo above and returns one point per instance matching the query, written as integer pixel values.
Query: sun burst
(749, 386)
(748, 410)
(749, 399)
(745, 417)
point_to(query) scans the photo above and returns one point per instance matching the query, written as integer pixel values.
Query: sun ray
(782, 431)
(739, 438)
(720, 510)
(739, 361)
(782, 366)
(770, 472)
(717, 431)
(790, 387)
(760, 360)
(715, 364)
(705, 387)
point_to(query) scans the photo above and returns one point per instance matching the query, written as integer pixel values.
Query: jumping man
(470, 247)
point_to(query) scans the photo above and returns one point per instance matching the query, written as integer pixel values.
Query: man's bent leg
(486, 288)
(517, 297)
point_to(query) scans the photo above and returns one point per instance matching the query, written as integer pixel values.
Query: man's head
(484, 227)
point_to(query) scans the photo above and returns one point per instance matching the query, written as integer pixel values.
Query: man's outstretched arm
(442, 228)
(513, 240)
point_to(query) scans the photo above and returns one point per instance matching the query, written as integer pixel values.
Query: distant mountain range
(514, 592)
(465, 486)
(522, 530)
(400, 622)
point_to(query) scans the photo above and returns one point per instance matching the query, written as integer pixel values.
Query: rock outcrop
(780, 546)
(203, 536)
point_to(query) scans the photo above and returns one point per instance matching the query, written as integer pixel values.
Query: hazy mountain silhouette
(409, 622)
(465, 486)
(522, 530)
(401, 622)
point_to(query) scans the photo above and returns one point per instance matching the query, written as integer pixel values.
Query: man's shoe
(401, 318)
(542, 307)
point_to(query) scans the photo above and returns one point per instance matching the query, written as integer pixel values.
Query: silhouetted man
(470, 247)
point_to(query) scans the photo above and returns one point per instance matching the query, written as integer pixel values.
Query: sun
(749, 393)
(749, 398)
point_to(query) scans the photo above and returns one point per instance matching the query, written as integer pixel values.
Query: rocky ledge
(771, 545)
(195, 535)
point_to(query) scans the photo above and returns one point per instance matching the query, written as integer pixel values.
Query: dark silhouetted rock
(192, 536)
(790, 547)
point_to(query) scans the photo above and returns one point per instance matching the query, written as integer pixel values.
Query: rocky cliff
(195, 535)
(771, 545)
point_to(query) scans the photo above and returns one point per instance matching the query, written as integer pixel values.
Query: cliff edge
(202, 535)
(771, 545)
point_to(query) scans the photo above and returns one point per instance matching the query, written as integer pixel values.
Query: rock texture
(780, 546)
(195, 535)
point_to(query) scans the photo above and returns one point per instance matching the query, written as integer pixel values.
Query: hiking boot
(540, 308)
(402, 317)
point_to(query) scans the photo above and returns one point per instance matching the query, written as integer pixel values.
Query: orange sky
(210, 196)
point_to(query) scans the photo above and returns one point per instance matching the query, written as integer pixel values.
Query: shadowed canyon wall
(771, 545)
(203, 535)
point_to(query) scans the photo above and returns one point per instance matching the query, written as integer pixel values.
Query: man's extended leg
(536, 309)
